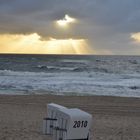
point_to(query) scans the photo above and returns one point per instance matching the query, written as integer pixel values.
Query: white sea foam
(68, 83)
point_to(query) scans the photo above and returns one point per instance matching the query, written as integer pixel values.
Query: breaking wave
(69, 83)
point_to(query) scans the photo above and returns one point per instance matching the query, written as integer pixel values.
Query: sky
(102, 27)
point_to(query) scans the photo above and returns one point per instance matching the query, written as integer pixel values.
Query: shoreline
(63, 94)
(114, 118)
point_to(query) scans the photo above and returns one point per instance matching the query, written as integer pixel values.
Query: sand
(115, 118)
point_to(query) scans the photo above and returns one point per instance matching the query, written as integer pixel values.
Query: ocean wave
(61, 68)
(68, 83)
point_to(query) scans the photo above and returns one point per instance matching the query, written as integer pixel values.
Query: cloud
(106, 23)
(136, 37)
(116, 15)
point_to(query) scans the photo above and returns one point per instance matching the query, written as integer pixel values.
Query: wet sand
(114, 118)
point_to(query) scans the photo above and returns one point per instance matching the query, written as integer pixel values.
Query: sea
(70, 75)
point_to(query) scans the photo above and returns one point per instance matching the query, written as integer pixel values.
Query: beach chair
(67, 124)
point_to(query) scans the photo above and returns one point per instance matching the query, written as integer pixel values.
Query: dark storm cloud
(107, 23)
(18, 16)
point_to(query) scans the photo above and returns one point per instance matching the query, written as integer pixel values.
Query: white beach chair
(68, 124)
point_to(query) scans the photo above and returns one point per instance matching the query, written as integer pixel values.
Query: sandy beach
(115, 118)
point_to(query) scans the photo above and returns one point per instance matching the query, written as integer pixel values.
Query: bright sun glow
(32, 43)
(65, 21)
(136, 36)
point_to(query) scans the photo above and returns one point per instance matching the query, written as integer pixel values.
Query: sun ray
(32, 43)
